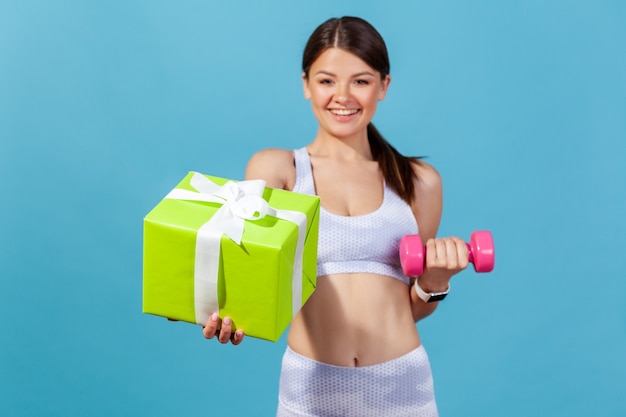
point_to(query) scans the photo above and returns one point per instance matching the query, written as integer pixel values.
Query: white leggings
(399, 387)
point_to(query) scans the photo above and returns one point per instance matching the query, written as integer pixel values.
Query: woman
(354, 348)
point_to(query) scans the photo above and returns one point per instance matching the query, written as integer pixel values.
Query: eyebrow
(359, 74)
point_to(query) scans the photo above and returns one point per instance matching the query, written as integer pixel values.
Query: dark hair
(360, 38)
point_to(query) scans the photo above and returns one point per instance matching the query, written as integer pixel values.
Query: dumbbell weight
(480, 247)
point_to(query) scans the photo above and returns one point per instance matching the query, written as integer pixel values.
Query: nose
(342, 94)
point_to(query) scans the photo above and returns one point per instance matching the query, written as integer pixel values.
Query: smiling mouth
(344, 112)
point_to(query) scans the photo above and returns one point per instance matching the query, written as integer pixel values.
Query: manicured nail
(227, 321)
(214, 317)
(239, 334)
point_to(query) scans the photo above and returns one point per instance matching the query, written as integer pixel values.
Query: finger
(441, 251)
(210, 328)
(226, 330)
(452, 255)
(432, 257)
(237, 337)
(462, 253)
(431, 253)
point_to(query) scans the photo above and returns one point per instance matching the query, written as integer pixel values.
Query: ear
(384, 87)
(305, 87)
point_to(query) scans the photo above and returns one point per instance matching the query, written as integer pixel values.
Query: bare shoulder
(428, 178)
(428, 199)
(276, 166)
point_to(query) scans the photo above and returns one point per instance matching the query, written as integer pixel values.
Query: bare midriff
(355, 320)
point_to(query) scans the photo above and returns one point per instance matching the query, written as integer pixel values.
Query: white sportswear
(367, 243)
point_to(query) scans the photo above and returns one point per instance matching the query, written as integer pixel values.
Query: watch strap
(430, 297)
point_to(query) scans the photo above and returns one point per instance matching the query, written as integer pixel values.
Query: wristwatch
(430, 297)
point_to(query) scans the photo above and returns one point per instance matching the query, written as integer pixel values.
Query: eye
(325, 81)
(362, 82)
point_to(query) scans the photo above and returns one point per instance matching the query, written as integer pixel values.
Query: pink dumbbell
(413, 253)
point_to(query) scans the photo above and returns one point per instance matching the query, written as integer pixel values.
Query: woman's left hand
(444, 258)
(223, 332)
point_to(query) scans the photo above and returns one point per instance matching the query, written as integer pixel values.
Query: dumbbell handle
(470, 252)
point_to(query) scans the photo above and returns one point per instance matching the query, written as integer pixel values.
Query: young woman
(354, 349)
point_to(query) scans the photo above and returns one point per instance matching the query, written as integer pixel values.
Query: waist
(355, 320)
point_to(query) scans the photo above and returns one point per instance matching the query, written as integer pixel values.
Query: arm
(275, 166)
(444, 257)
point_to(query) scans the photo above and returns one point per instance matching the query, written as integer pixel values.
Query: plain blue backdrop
(104, 106)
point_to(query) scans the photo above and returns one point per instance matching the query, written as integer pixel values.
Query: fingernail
(214, 317)
(239, 334)
(227, 321)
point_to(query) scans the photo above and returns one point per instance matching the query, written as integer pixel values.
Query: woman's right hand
(223, 330)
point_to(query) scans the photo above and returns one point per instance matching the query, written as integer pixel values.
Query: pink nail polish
(227, 321)
(214, 317)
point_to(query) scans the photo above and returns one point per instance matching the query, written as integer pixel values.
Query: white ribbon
(240, 201)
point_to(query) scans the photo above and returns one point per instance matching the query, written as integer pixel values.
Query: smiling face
(344, 92)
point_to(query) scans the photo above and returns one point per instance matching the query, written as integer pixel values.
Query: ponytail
(397, 169)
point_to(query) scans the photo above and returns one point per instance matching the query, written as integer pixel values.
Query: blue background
(104, 106)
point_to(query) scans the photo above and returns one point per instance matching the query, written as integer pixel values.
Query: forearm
(420, 309)
(428, 284)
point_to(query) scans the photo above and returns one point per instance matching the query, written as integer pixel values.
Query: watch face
(437, 297)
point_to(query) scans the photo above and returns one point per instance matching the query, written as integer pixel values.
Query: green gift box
(238, 248)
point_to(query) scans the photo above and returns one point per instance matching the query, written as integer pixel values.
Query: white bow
(240, 201)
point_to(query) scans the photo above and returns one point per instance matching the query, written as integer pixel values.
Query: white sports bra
(367, 243)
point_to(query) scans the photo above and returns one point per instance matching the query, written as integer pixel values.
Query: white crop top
(367, 243)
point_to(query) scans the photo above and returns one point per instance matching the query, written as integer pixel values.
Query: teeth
(344, 112)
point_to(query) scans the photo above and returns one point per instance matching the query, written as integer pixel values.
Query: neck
(347, 148)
